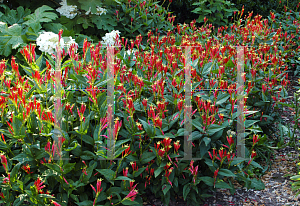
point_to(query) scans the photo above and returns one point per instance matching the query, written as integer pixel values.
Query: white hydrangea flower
(100, 11)
(69, 41)
(110, 38)
(69, 11)
(89, 11)
(129, 52)
(47, 42)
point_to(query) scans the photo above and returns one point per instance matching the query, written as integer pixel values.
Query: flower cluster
(47, 42)
(99, 12)
(110, 38)
(69, 11)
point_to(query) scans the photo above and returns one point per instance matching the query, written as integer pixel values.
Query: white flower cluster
(99, 12)
(110, 38)
(67, 11)
(129, 52)
(47, 42)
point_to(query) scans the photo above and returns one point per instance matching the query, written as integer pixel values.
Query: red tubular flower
(132, 194)
(27, 169)
(99, 189)
(215, 175)
(139, 125)
(1, 195)
(47, 147)
(117, 127)
(131, 185)
(125, 172)
(222, 153)
(168, 173)
(39, 185)
(4, 162)
(126, 152)
(255, 139)
(158, 121)
(134, 166)
(230, 141)
(230, 156)
(176, 146)
(55, 203)
(179, 105)
(166, 141)
(253, 154)
(157, 145)
(161, 152)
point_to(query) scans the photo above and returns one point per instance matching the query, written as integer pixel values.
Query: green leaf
(88, 139)
(123, 178)
(49, 172)
(296, 177)
(249, 123)
(206, 69)
(226, 173)
(165, 188)
(255, 164)
(206, 140)
(55, 167)
(23, 158)
(222, 98)
(86, 22)
(86, 5)
(15, 16)
(257, 184)
(139, 171)
(129, 202)
(10, 38)
(222, 185)
(147, 157)
(20, 199)
(213, 128)
(158, 171)
(108, 174)
(207, 180)
(87, 155)
(14, 172)
(186, 190)
(68, 167)
(148, 128)
(105, 22)
(41, 14)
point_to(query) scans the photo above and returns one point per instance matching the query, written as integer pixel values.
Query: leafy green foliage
(42, 14)
(14, 16)
(11, 37)
(216, 12)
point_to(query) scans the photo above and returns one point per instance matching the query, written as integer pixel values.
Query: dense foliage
(51, 141)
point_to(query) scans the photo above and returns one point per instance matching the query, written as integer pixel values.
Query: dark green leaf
(147, 157)
(186, 190)
(226, 172)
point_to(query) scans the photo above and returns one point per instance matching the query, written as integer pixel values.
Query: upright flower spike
(215, 176)
(55, 203)
(4, 162)
(39, 185)
(132, 194)
(255, 139)
(98, 191)
(176, 146)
